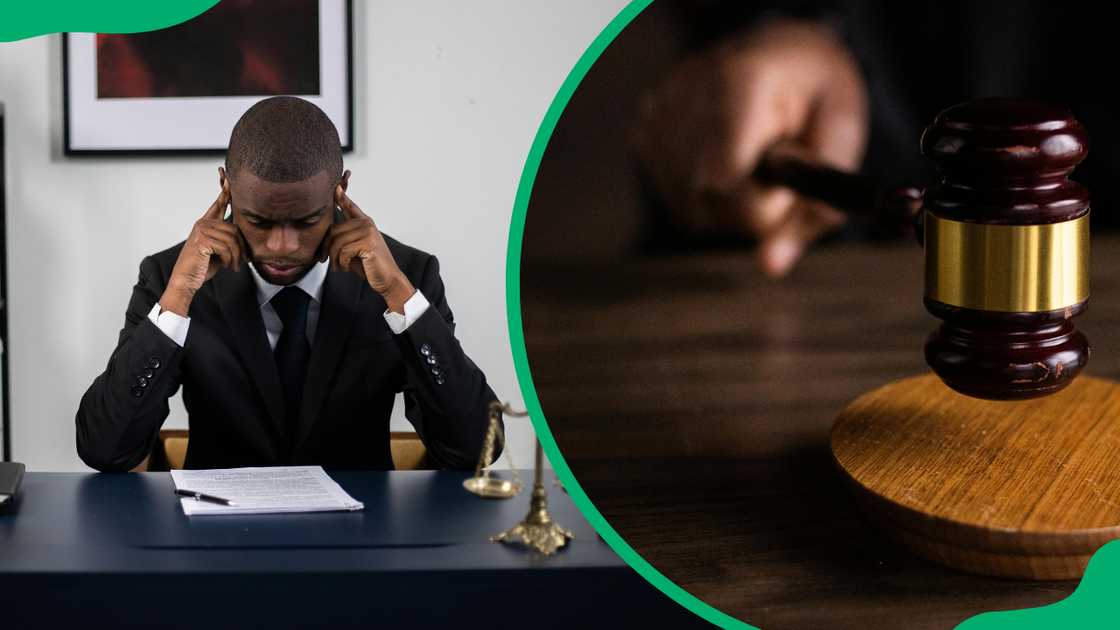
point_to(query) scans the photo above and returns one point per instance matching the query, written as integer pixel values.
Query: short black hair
(284, 139)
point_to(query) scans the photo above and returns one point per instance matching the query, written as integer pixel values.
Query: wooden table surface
(693, 399)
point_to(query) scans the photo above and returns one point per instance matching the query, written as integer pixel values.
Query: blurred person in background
(693, 92)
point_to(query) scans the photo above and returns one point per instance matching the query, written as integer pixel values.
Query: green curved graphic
(1088, 607)
(28, 19)
(517, 334)
(1093, 605)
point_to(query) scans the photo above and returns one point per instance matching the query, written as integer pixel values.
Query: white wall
(448, 96)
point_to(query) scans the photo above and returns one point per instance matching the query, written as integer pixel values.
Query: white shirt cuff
(172, 324)
(414, 307)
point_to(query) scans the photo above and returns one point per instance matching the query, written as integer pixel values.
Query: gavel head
(1007, 248)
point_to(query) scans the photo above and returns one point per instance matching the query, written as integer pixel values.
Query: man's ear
(345, 181)
(222, 179)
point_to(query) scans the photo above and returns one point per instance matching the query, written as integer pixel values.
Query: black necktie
(292, 350)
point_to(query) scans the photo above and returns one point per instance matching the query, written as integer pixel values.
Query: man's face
(283, 224)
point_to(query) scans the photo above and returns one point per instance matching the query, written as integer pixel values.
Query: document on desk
(266, 490)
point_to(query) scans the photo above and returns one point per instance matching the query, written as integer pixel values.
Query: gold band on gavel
(1009, 268)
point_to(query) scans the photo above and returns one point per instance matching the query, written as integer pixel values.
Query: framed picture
(181, 89)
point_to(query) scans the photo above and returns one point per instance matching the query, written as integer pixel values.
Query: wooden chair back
(170, 452)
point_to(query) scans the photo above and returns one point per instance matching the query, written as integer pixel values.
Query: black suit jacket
(231, 387)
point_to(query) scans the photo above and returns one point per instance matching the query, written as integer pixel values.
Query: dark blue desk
(117, 550)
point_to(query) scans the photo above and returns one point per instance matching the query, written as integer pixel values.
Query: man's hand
(357, 245)
(702, 131)
(212, 244)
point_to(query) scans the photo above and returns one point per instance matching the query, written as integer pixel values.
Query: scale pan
(492, 487)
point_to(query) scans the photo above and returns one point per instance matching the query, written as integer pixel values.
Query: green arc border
(23, 20)
(517, 334)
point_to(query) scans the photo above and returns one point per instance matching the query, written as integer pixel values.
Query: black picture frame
(70, 150)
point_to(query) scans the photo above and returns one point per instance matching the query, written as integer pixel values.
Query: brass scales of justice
(1001, 464)
(537, 530)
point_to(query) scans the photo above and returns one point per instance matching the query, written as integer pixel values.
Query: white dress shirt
(175, 326)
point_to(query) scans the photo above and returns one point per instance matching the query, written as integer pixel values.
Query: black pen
(198, 496)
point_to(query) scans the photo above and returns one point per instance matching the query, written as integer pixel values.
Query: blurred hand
(702, 131)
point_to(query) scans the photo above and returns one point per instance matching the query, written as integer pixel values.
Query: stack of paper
(271, 490)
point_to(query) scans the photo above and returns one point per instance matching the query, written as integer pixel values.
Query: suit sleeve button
(431, 359)
(137, 391)
(439, 380)
(153, 363)
(425, 349)
(141, 381)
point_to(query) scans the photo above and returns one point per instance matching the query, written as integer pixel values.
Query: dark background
(917, 58)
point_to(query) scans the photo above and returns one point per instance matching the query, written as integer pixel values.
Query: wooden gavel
(1006, 238)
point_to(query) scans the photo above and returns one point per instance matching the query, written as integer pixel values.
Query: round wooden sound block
(1026, 489)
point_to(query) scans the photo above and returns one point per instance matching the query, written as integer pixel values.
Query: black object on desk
(199, 496)
(123, 554)
(11, 473)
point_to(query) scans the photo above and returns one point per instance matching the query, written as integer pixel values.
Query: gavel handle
(785, 164)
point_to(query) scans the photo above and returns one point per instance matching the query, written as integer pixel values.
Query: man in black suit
(291, 324)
